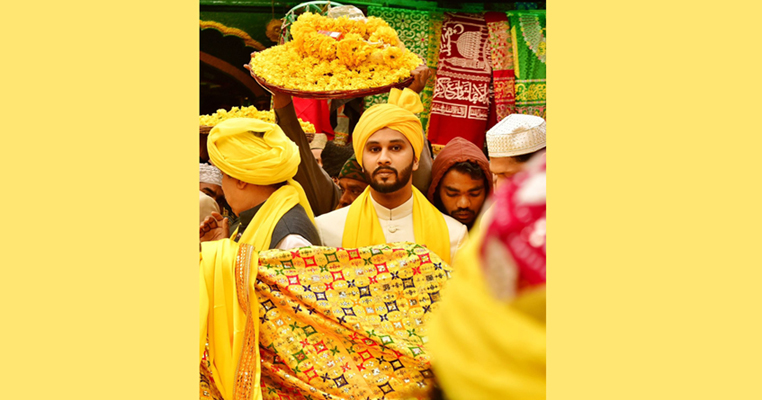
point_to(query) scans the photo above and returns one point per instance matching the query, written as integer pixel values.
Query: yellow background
(653, 200)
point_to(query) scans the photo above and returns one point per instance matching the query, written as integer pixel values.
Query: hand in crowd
(421, 75)
(214, 228)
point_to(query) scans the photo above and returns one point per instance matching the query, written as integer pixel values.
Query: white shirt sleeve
(293, 241)
(462, 239)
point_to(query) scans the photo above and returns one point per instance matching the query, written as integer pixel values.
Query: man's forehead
(503, 164)
(385, 135)
(459, 178)
(210, 186)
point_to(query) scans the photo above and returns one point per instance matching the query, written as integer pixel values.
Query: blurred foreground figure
(317, 322)
(512, 142)
(488, 335)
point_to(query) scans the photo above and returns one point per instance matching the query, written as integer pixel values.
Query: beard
(400, 179)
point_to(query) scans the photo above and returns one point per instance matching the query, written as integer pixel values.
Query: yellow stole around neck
(429, 227)
(260, 230)
(227, 300)
(228, 297)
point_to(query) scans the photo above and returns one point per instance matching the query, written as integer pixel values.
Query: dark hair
(334, 156)
(466, 167)
(522, 158)
(469, 167)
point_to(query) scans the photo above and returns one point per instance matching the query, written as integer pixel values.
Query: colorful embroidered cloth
(501, 51)
(419, 31)
(528, 32)
(461, 94)
(340, 323)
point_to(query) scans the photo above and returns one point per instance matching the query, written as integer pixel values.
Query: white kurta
(397, 224)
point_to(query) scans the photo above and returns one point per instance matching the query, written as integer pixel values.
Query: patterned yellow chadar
(317, 322)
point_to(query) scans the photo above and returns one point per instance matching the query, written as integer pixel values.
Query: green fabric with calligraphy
(418, 31)
(528, 32)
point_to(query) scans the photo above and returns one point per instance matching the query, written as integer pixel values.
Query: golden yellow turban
(253, 151)
(397, 114)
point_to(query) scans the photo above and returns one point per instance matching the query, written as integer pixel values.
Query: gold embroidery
(246, 381)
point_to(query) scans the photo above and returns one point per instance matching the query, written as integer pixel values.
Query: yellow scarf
(482, 348)
(227, 320)
(260, 230)
(429, 227)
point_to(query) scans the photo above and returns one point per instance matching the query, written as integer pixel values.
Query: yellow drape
(397, 114)
(223, 320)
(482, 348)
(362, 227)
(260, 229)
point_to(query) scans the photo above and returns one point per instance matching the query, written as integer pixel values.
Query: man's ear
(415, 164)
(239, 184)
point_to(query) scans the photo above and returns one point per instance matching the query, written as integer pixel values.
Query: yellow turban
(266, 160)
(397, 114)
(235, 148)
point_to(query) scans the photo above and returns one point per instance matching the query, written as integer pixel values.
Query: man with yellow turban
(387, 142)
(258, 163)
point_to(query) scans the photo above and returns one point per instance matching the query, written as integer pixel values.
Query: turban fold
(397, 114)
(253, 151)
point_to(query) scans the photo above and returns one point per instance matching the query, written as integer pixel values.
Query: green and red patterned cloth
(513, 46)
(419, 31)
(528, 33)
(461, 103)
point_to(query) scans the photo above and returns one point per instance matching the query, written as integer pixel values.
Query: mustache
(379, 169)
(463, 210)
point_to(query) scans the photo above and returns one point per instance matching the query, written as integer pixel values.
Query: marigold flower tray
(333, 94)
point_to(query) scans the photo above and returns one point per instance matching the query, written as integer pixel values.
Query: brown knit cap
(457, 150)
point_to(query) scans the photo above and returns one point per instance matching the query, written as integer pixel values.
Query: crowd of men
(266, 185)
(390, 156)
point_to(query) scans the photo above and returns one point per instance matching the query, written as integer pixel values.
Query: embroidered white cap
(515, 135)
(209, 174)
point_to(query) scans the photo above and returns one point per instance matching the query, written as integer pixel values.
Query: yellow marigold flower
(317, 62)
(386, 35)
(246, 112)
(352, 51)
(392, 55)
(373, 23)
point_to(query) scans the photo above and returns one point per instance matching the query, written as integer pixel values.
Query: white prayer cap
(209, 174)
(515, 135)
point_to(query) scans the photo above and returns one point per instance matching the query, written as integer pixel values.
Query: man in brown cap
(461, 181)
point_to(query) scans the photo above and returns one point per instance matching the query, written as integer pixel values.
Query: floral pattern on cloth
(503, 79)
(528, 32)
(419, 31)
(207, 389)
(341, 323)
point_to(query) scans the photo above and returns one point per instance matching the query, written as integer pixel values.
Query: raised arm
(321, 192)
(422, 176)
